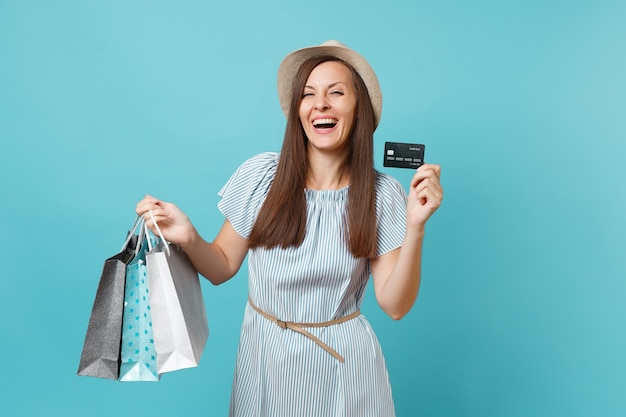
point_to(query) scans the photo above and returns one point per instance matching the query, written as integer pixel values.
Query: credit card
(403, 155)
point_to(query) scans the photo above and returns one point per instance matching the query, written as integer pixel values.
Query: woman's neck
(327, 173)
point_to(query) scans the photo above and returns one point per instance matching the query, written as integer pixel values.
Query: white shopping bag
(179, 318)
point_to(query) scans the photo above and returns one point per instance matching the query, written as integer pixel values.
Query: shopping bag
(138, 356)
(178, 313)
(100, 356)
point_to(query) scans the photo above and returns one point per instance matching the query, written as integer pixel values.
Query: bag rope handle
(138, 221)
(156, 226)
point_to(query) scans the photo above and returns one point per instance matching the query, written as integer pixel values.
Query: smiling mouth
(325, 123)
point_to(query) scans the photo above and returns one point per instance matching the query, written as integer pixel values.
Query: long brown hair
(282, 218)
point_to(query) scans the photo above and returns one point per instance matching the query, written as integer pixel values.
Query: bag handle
(141, 235)
(145, 232)
(156, 226)
(131, 232)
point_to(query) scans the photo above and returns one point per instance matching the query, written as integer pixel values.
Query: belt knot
(299, 327)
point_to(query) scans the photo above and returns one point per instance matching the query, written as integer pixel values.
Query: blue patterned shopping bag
(138, 356)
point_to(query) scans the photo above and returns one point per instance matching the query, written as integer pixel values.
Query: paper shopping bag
(178, 313)
(138, 356)
(100, 357)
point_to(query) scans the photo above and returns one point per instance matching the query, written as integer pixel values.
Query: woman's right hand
(174, 224)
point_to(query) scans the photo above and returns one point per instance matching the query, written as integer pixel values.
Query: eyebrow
(330, 86)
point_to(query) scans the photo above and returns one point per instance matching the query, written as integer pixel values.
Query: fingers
(152, 205)
(165, 220)
(145, 204)
(426, 186)
(429, 183)
(431, 196)
(435, 168)
(157, 215)
(429, 188)
(431, 172)
(148, 203)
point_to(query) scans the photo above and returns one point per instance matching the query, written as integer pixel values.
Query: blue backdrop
(521, 311)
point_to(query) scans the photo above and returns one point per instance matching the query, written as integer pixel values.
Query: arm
(397, 273)
(218, 261)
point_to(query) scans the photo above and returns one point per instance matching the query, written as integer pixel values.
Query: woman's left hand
(425, 195)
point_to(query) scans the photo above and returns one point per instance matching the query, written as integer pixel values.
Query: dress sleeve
(244, 193)
(390, 213)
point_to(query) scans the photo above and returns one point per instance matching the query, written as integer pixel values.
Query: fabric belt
(299, 327)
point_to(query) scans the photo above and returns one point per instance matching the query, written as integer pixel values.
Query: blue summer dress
(280, 372)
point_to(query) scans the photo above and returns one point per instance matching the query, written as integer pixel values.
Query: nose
(321, 103)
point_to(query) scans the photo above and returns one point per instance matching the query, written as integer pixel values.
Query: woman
(316, 221)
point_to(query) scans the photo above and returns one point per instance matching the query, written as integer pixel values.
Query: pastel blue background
(521, 310)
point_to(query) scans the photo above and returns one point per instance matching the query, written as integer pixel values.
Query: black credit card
(403, 155)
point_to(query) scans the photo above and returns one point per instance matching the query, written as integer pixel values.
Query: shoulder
(391, 199)
(390, 194)
(261, 162)
(253, 176)
(260, 167)
(386, 186)
(245, 191)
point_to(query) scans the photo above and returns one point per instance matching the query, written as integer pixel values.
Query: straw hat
(292, 62)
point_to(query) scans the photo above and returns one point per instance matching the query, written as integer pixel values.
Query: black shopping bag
(100, 357)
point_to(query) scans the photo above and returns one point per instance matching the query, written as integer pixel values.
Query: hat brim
(291, 64)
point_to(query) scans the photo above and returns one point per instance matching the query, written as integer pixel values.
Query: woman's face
(328, 106)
